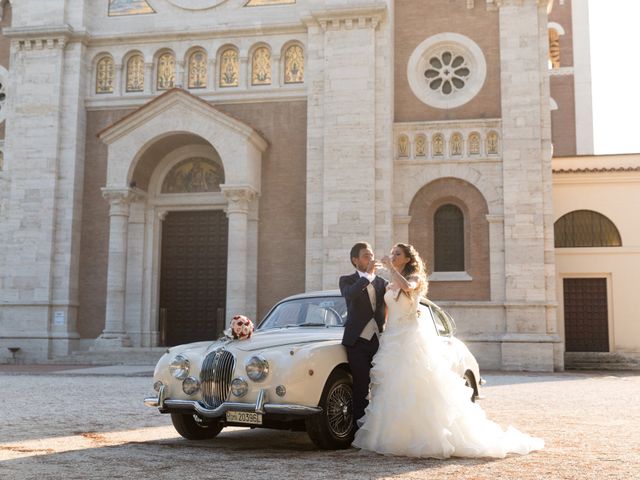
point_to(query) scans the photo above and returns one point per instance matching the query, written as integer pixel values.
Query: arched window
(135, 74)
(166, 71)
(294, 64)
(261, 67)
(104, 75)
(585, 228)
(448, 233)
(198, 69)
(229, 68)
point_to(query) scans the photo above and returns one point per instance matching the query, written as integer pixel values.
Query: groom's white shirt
(371, 328)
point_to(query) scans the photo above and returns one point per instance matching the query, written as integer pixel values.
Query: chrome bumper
(259, 407)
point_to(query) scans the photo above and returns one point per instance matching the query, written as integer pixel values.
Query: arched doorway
(183, 181)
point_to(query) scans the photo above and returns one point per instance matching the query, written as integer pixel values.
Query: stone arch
(474, 282)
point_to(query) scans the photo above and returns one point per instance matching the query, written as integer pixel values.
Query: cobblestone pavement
(70, 425)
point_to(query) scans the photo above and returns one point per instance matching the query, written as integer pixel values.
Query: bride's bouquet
(241, 327)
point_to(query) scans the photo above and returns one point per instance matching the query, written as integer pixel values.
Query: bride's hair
(415, 269)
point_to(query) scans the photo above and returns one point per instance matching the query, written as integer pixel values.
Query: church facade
(170, 163)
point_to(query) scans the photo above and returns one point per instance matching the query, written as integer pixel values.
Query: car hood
(288, 336)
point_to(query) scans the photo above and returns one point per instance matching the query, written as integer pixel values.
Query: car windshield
(307, 312)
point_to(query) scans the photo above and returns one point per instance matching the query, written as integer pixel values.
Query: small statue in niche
(456, 144)
(492, 143)
(421, 146)
(403, 146)
(474, 144)
(438, 144)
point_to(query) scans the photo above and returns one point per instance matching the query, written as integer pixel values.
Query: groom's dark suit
(360, 351)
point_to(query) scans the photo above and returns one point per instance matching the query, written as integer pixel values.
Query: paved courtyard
(92, 424)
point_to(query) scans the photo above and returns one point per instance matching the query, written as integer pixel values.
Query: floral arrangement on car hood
(241, 328)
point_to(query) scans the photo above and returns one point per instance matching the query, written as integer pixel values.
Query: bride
(419, 407)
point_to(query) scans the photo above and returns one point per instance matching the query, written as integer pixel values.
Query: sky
(615, 75)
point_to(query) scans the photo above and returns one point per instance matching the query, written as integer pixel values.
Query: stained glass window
(448, 233)
(585, 228)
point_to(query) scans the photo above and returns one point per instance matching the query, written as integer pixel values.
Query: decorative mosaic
(294, 65)
(135, 74)
(198, 69)
(261, 67)
(193, 176)
(129, 7)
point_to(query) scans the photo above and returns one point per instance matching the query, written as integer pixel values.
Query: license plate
(245, 417)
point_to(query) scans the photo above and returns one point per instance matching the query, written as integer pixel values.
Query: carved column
(239, 200)
(114, 334)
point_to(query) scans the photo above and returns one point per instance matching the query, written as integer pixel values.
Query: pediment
(178, 103)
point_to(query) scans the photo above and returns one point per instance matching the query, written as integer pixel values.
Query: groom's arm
(352, 290)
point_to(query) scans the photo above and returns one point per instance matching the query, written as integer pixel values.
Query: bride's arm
(405, 284)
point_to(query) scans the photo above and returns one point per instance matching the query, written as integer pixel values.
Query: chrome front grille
(215, 377)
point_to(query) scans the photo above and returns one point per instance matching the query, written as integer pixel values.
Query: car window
(329, 311)
(440, 322)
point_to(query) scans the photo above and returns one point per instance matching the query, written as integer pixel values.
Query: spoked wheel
(340, 410)
(333, 428)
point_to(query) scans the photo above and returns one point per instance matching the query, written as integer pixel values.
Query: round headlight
(239, 387)
(257, 368)
(179, 367)
(190, 385)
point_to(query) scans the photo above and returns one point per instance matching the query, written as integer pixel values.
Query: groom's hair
(355, 250)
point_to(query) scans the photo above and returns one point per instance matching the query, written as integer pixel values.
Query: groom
(364, 293)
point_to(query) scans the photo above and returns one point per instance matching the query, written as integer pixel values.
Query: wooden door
(586, 319)
(193, 276)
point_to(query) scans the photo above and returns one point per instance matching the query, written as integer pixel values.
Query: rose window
(447, 72)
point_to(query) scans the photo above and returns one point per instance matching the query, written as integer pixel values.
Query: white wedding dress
(419, 407)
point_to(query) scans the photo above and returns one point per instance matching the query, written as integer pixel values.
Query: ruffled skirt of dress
(420, 408)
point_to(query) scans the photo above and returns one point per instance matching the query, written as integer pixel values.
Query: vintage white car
(291, 374)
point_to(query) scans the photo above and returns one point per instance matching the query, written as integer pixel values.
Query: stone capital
(238, 197)
(120, 198)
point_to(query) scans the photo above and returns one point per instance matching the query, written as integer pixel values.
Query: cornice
(48, 32)
(366, 16)
(597, 170)
(240, 31)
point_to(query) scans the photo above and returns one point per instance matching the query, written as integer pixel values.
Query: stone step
(601, 361)
(125, 356)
